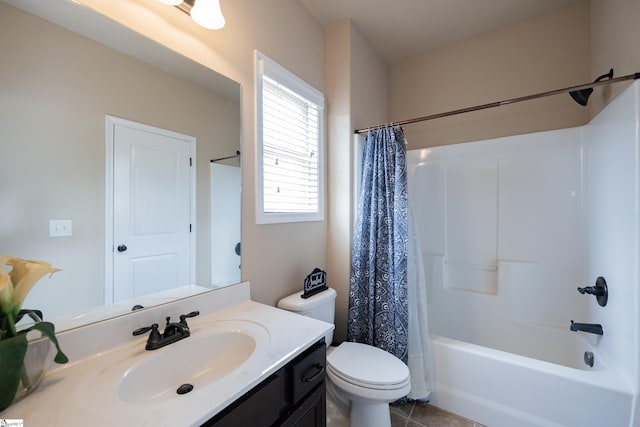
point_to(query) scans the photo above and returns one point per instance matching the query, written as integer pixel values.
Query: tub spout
(592, 328)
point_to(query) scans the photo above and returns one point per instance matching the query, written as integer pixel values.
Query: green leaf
(12, 351)
(48, 330)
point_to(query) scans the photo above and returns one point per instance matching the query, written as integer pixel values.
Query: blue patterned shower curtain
(378, 306)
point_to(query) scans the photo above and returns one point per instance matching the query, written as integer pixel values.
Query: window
(290, 123)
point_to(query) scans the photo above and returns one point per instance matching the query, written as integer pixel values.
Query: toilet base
(369, 415)
(362, 416)
(336, 416)
(356, 412)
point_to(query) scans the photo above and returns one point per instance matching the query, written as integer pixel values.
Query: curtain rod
(226, 158)
(501, 103)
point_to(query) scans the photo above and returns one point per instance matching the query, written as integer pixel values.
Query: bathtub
(503, 389)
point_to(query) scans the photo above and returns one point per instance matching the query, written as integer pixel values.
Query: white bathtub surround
(85, 392)
(510, 228)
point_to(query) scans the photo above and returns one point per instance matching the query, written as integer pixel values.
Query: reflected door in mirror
(152, 208)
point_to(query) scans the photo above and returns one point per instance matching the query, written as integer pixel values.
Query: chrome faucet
(172, 332)
(592, 328)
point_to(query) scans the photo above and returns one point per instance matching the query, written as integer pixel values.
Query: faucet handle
(155, 334)
(141, 331)
(192, 314)
(183, 317)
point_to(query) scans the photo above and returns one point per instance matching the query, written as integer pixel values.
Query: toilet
(361, 379)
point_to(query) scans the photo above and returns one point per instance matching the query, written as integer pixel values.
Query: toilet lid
(364, 364)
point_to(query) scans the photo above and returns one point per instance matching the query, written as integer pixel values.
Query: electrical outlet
(59, 227)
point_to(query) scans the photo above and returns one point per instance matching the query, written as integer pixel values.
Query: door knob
(122, 248)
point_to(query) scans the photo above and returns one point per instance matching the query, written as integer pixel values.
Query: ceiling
(399, 29)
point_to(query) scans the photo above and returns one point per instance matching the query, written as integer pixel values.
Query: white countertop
(71, 396)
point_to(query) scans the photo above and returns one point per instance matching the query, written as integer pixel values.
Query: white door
(152, 243)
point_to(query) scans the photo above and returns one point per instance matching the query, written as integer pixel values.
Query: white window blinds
(290, 121)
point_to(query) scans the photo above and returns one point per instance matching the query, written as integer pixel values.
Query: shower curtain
(420, 360)
(387, 301)
(378, 308)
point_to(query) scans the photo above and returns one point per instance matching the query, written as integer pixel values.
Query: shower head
(582, 96)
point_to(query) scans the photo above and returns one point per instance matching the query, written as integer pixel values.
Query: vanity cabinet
(294, 396)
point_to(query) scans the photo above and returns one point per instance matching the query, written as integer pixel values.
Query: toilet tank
(320, 306)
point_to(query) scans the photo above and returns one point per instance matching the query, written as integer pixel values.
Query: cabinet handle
(319, 370)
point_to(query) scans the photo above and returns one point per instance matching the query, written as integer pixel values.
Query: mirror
(57, 88)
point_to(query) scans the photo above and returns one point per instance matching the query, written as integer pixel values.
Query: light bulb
(171, 2)
(207, 14)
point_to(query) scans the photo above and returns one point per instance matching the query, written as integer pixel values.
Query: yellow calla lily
(3, 262)
(24, 275)
(17, 277)
(6, 292)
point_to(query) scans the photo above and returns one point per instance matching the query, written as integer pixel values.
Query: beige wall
(57, 88)
(339, 121)
(615, 37)
(275, 258)
(541, 54)
(357, 92)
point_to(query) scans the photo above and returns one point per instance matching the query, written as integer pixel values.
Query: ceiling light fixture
(206, 13)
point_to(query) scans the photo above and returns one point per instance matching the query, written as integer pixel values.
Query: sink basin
(197, 362)
(212, 352)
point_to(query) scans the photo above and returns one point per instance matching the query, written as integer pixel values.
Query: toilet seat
(367, 366)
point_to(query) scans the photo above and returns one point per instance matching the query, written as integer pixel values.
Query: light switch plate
(59, 227)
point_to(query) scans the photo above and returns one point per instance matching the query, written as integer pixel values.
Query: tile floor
(416, 414)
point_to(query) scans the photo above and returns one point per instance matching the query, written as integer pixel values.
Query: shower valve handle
(591, 290)
(600, 291)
